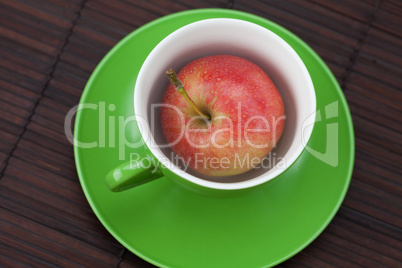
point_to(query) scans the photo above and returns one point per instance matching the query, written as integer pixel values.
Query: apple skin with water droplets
(247, 115)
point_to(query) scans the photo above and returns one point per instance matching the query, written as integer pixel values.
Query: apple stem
(179, 86)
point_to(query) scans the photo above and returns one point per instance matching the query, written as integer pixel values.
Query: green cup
(209, 37)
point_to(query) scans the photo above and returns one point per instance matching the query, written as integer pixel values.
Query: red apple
(243, 115)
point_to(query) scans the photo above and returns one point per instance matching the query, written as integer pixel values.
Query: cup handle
(129, 175)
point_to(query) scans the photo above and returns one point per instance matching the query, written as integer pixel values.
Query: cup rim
(146, 132)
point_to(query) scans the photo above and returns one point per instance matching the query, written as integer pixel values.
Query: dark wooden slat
(391, 202)
(339, 257)
(47, 195)
(377, 134)
(39, 209)
(79, 62)
(381, 111)
(378, 163)
(381, 71)
(10, 127)
(92, 52)
(379, 152)
(25, 52)
(361, 174)
(203, 3)
(391, 54)
(122, 12)
(62, 97)
(333, 46)
(46, 132)
(22, 60)
(389, 247)
(18, 104)
(31, 249)
(374, 200)
(359, 10)
(46, 163)
(377, 76)
(59, 8)
(7, 137)
(23, 260)
(355, 253)
(70, 184)
(21, 24)
(56, 107)
(51, 144)
(56, 85)
(94, 37)
(379, 114)
(382, 173)
(105, 25)
(356, 204)
(292, 264)
(45, 192)
(21, 80)
(3, 157)
(14, 119)
(165, 7)
(382, 99)
(34, 147)
(392, 6)
(26, 206)
(369, 223)
(80, 54)
(64, 8)
(130, 260)
(62, 147)
(313, 257)
(27, 41)
(54, 160)
(71, 75)
(5, 148)
(52, 110)
(22, 70)
(319, 15)
(384, 42)
(388, 22)
(7, 262)
(7, 140)
(310, 16)
(55, 181)
(53, 242)
(12, 109)
(52, 16)
(55, 119)
(102, 22)
(43, 184)
(14, 93)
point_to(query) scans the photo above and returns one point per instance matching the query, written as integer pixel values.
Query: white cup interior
(233, 37)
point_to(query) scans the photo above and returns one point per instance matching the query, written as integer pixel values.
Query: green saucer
(171, 226)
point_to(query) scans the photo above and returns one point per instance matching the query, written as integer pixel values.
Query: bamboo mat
(49, 48)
